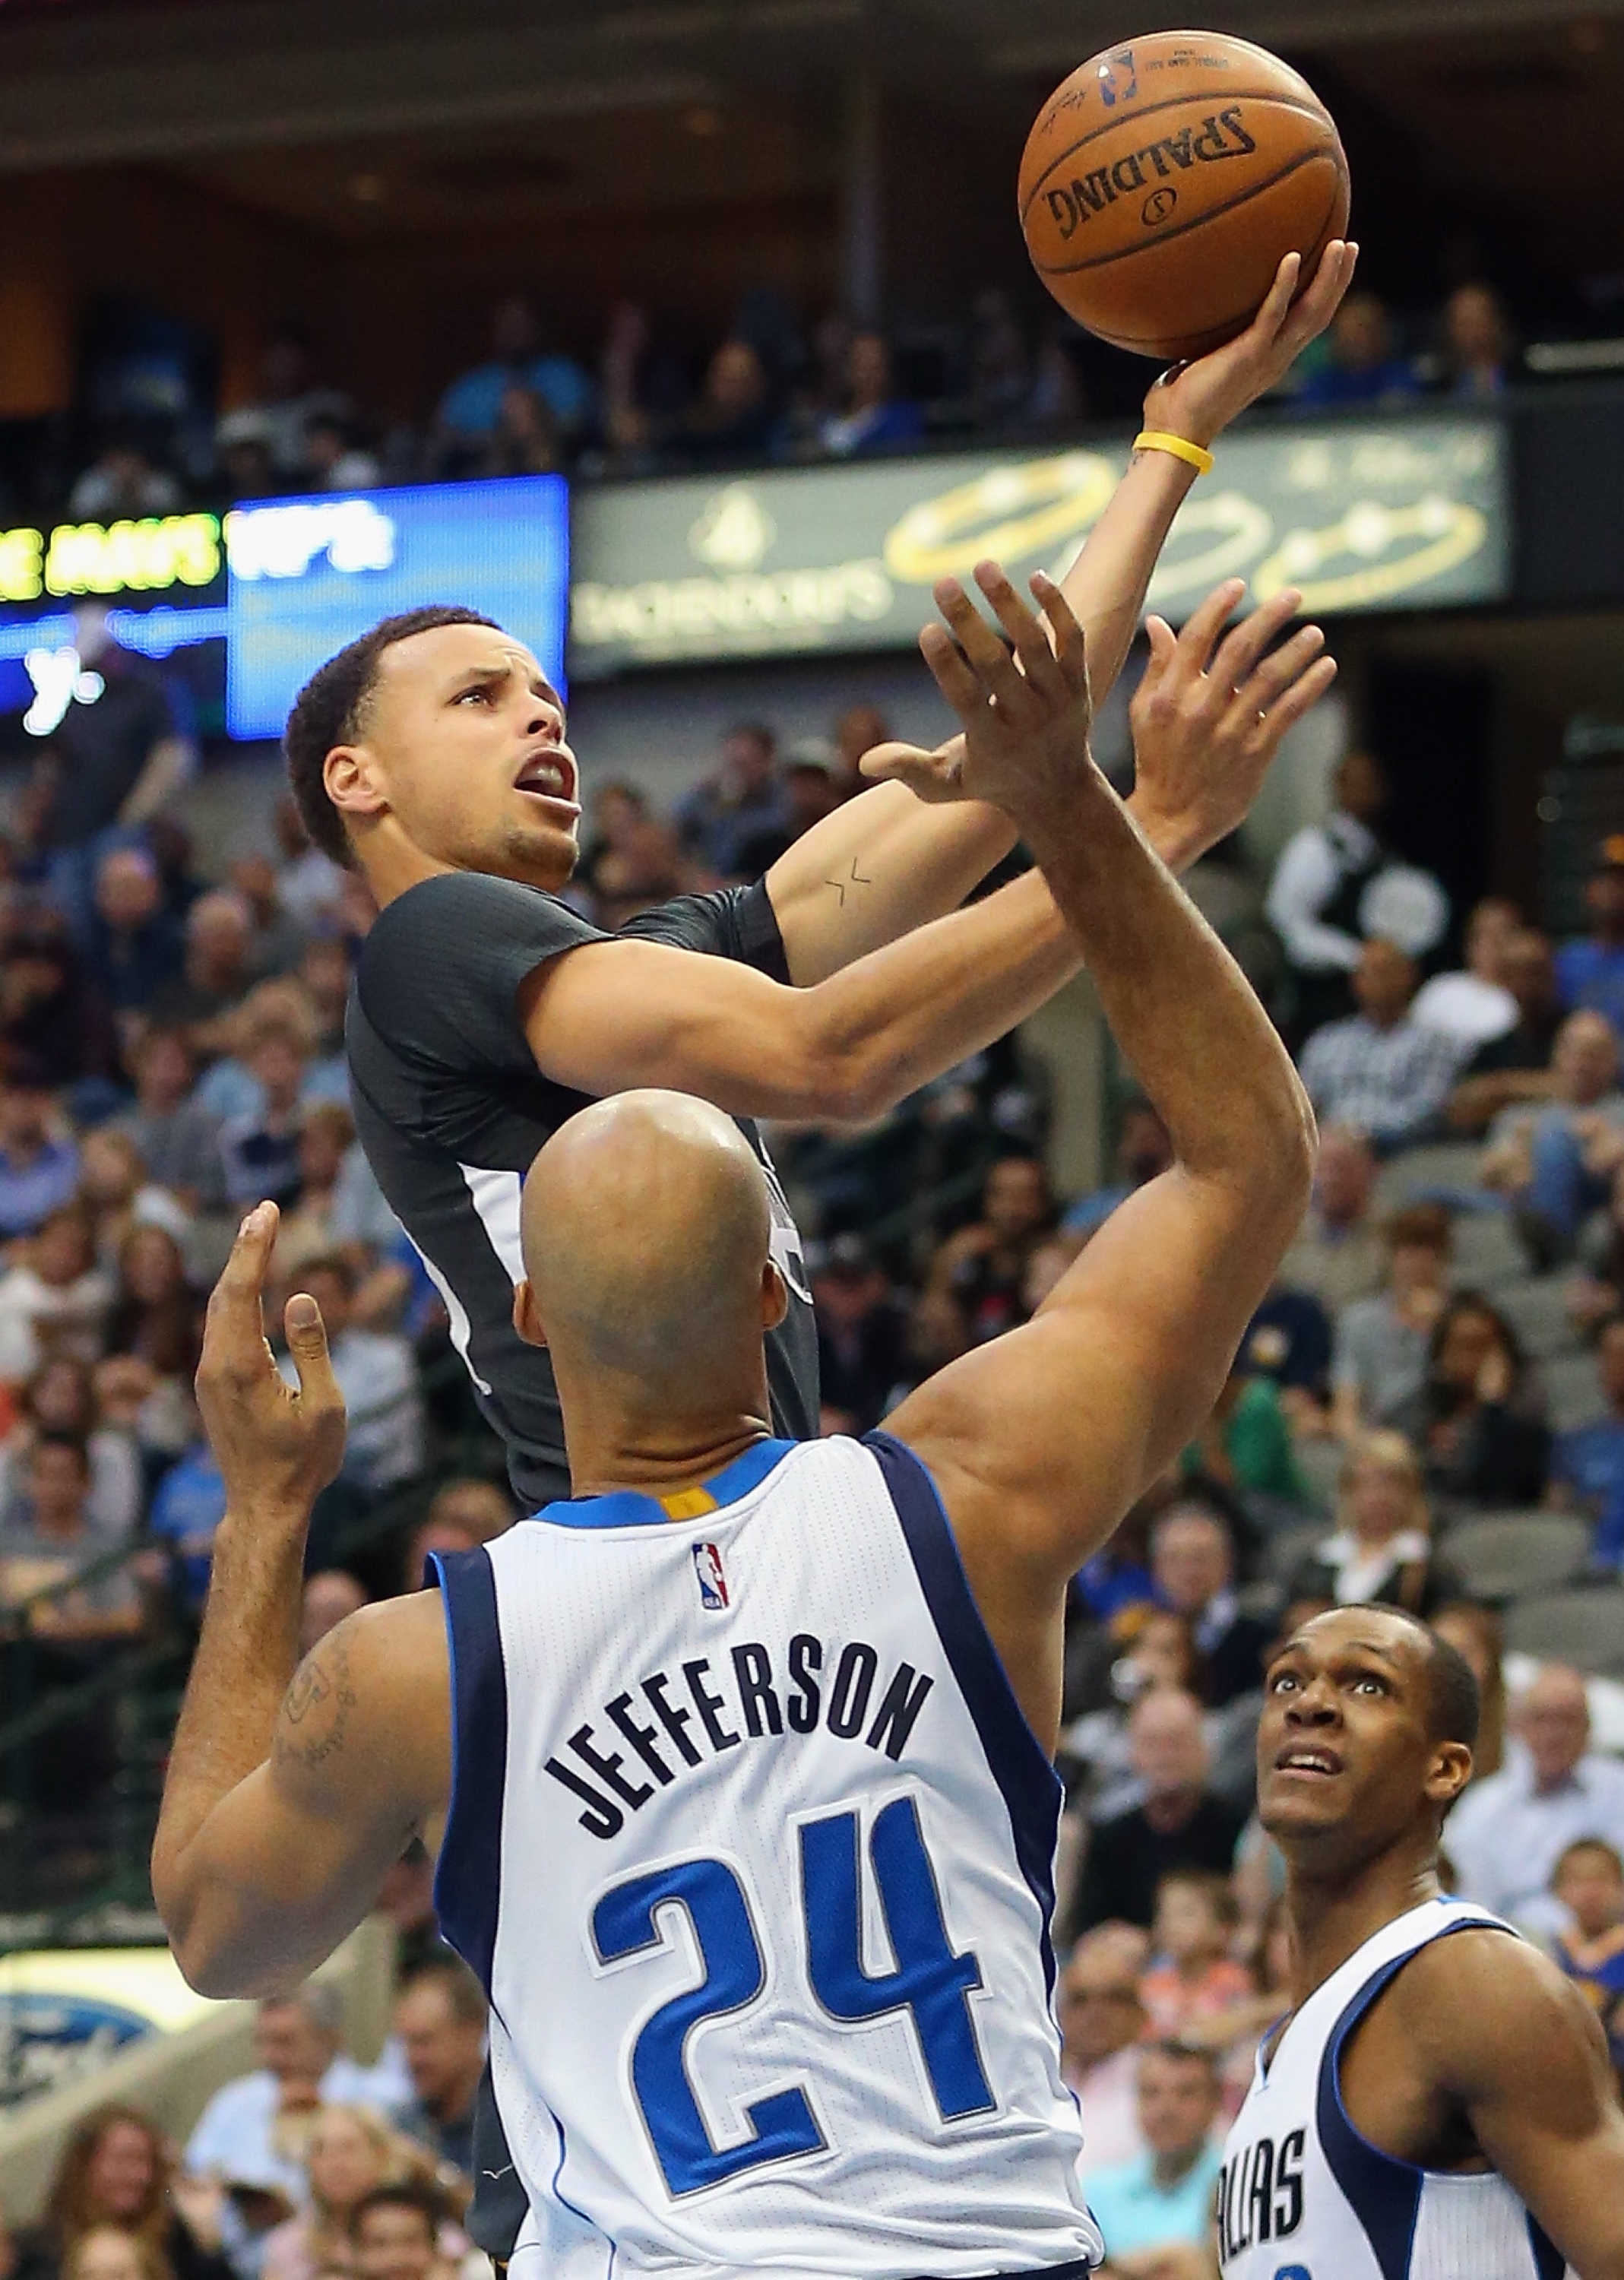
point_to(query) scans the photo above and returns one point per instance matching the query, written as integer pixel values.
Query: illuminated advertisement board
(1390, 513)
(306, 575)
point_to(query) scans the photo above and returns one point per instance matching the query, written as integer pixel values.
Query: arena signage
(1382, 514)
(144, 557)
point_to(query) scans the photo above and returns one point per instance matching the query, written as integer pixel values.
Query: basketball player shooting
(1439, 2101)
(686, 1741)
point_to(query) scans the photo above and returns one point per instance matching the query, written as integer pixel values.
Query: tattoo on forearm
(856, 879)
(318, 1705)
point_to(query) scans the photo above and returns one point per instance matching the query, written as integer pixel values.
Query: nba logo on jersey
(712, 1582)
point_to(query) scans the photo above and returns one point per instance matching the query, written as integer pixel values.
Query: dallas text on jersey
(1260, 2193)
(751, 1695)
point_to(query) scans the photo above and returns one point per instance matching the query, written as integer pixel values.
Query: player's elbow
(1290, 1149)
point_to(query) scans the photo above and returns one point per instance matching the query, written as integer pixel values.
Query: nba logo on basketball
(712, 1582)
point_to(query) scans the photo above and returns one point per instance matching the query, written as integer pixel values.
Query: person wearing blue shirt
(38, 1174)
(1164, 2198)
(1590, 969)
(468, 411)
(875, 418)
(1361, 367)
(1587, 1462)
(187, 1506)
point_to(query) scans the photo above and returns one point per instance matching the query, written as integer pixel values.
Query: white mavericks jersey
(751, 1847)
(1303, 2196)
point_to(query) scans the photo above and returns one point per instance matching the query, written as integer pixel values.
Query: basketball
(1165, 181)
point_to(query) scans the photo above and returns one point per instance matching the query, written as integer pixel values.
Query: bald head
(645, 1228)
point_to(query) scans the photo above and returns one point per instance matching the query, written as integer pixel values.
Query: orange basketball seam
(1224, 327)
(1232, 96)
(1198, 221)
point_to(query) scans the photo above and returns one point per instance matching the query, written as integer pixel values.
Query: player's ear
(775, 1297)
(527, 1320)
(348, 776)
(1450, 1772)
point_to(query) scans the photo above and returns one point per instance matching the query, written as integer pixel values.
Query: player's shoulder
(1481, 2002)
(450, 901)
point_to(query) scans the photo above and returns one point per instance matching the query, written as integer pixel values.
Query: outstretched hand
(277, 1448)
(1209, 715)
(1023, 704)
(1198, 400)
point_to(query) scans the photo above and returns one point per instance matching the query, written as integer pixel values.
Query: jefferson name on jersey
(805, 1685)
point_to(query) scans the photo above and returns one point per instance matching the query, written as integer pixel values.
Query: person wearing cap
(1590, 968)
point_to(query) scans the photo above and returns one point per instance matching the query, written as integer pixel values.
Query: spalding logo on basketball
(1165, 181)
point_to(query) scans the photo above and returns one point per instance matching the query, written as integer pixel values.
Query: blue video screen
(306, 575)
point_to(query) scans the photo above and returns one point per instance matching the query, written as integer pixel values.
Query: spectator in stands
(47, 1544)
(134, 944)
(1180, 1823)
(1194, 1976)
(1245, 1444)
(1144, 1152)
(1587, 1462)
(277, 943)
(309, 884)
(259, 2124)
(349, 2152)
(524, 440)
(288, 397)
(327, 1133)
(860, 1337)
(260, 1151)
(54, 1300)
(859, 729)
(122, 485)
(1474, 1005)
(1508, 1833)
(1102, 2027)
(1360, 366)
(1000, 365)
(1139, 1650)
(1317, 889)
(1382, 1549)
(1557, 1163)
(744, 798)
(52, 1019)
(1599, 1290)
(117, 1196)
(440, 2018)
(872, 417)
(1588, 1881)
(1478, 1420)
(984, 1266)
(377, 1376)
(1339, 1255)
(396, 2234)
(1381, 1355)
(216, 974)
(114, 760)
(483, 1508)
(154, 1313)
(108, 2253)
(810, 794)
(245, 469)
(60, 1397)
(1478, 360)
(1380, 1071)
(469, 410)
(731, 425)
(188, 1504)
(334, 461)
(1516, 1065)
(39, 1169)
(1192, 1561)
(178, 1138)
(115, 2170)
(331, 1596)
(1590, 969)
(407, 1897)
(1162, 2201)
(1479, 1633)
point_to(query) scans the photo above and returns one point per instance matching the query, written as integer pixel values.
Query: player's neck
(656, 1456)
(1334, 1910)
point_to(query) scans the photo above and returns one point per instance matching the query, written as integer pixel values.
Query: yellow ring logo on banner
(1452, 531)
(1010, 512)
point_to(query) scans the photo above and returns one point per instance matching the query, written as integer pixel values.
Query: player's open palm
(1209, 715)
(1021, 695)
(277, 1447)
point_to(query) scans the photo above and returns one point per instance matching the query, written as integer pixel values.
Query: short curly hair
(330, 708)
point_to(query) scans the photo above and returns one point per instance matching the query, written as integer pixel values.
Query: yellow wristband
(1153, 440)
